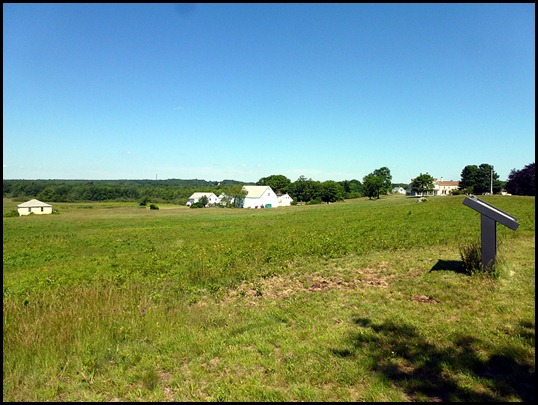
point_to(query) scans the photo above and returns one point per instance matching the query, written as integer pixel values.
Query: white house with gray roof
(34, 207)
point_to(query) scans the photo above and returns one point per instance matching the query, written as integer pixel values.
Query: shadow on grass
(451, 265)
(425, 371)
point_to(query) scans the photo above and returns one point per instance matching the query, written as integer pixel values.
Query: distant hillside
(170, 190)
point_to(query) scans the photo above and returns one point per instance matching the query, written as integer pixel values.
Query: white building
(284, 200)
(398, 190)
(440, 187)
(211, 198)
(34, 207)
(260, 196)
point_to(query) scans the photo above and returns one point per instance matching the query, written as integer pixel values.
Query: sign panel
(492, 212)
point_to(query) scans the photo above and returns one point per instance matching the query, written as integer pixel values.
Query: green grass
(355, 301)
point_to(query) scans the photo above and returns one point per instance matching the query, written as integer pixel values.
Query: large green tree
(384, 174)
(479, 179)
(331, 191)
(304, 190)
(371, 186)
(522, 182)
(423, 184)
(234, 196)
(277, 182)
(377, 183)
(352, 188)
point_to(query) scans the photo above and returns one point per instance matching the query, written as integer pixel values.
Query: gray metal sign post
(489, 216)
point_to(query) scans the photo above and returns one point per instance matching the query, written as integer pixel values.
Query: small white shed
(34, 207)
(284, 200)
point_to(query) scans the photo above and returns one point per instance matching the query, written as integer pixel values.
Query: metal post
(488, 240)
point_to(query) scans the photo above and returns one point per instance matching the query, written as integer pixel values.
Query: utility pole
(491, 181)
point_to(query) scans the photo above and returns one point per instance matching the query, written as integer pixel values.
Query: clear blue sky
(244, 91)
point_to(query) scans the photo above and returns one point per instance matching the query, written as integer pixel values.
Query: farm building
(440, 187)
(260, 197)
(34, 207)
(284, 200)
(444, 187)
(398, 190)
(211, 198)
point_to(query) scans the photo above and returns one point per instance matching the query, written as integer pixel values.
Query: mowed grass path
(354, 301)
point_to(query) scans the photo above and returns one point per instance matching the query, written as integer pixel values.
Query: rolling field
(354, 301)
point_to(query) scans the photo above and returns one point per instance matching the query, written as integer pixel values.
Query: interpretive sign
(489, 216)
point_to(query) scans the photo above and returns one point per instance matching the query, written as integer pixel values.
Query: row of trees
(311, 191)
(474, 180)
(377, 183)
(175, 191)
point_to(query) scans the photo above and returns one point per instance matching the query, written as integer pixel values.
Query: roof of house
(200, 195)
(255, 191)
(33, 203)
(448, 183)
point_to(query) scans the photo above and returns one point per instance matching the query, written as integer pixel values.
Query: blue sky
(244, 91)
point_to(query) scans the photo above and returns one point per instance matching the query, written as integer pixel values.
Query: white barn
(260, 196)
(34, 207)
(211, 198)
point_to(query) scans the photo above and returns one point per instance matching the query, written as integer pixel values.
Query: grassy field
(354, 301)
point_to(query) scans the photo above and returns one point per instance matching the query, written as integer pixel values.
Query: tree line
(474, 180)
(175, 191)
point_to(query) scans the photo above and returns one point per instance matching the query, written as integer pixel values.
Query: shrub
(153, 207)
(198, 204)
(471, 255)
(13, 213)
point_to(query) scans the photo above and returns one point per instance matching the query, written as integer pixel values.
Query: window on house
(29, 210)
(41, 209)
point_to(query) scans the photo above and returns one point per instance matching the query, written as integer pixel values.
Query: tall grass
(355, 301)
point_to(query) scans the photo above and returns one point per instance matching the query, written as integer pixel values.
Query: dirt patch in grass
(424, 298)
(283, 286)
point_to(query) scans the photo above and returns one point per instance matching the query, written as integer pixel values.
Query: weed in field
(471, 255)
